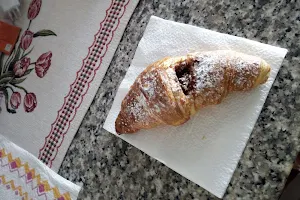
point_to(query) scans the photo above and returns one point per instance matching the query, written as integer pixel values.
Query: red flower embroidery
(30, 102)
(15, 100)
(42, 64)
(34, 9)
(21, 66)
(26, 39)
(17, 65)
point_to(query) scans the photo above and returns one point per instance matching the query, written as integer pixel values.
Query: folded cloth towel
(49, 81)
(23, 176)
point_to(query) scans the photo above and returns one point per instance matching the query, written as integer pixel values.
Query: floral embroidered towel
(23, 176)
(52, 75)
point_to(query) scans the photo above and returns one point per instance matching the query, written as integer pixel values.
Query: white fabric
(75, 22)
(207, 148)
(17, 176)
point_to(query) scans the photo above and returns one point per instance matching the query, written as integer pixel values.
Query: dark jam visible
(185, 75)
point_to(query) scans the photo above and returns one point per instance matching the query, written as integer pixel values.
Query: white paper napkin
(206, 149)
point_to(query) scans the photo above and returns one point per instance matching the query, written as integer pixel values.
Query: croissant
(173, 89)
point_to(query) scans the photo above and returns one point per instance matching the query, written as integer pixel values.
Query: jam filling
(185, 75)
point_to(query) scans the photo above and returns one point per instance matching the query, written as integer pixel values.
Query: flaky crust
(173, 89)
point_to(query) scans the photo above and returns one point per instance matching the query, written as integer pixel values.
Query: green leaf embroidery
(6, 102)
(28, 71)
(1, 62)
(5, 80)
(26, 54)
(43, 33)
(16, 58)
(7, 74)
(17, 80)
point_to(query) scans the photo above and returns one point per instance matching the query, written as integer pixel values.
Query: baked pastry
(173, 89)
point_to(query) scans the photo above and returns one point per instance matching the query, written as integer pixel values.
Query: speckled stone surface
(109, 168)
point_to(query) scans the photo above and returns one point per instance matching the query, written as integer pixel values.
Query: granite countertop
(109, 168)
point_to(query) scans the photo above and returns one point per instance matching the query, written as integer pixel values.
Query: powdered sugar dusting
(148, 84)
(246, 71)
(136, 108)
(185, 80)
(209, 71)
(172, 79)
